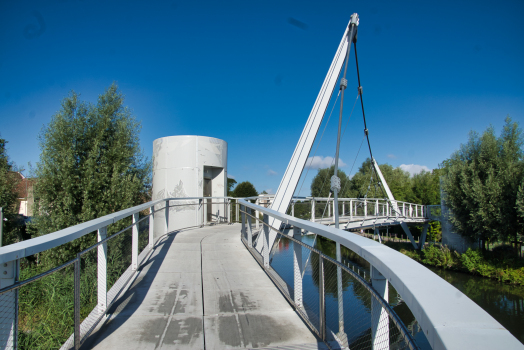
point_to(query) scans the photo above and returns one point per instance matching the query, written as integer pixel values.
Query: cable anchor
(343, 83)
(366, 131)
(360, 90)
(335, 183)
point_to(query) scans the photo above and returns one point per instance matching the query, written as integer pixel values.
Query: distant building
(25, 195)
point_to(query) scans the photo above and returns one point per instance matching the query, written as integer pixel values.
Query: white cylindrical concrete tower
(189, 166)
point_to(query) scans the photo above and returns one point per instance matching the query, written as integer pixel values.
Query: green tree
(426, 187)
(321, 184)
(482, 184)
(365, 182)
(91, 165)
(8, 194)
(230, 184)
(245, 189)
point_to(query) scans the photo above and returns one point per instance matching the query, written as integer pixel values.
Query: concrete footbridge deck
(201, 289)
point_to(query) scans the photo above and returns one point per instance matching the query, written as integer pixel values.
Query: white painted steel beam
(300, 155)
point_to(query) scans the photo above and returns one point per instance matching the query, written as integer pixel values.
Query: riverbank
(498, 264)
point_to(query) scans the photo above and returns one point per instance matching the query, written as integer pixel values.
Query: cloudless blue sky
(249, 72)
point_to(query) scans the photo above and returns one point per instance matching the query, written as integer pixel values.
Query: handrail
(449, 319)
(51, 240)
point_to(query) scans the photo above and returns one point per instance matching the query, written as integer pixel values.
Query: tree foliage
(422, 188)
(91, 165)
(320, 186)
(8, 193)
(483, 183)
(230, 184)
(245, 189)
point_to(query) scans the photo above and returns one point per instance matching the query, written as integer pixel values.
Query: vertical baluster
(102, 271)
(322, 299)
(134, 243)
(249, 231)
(257, 215)
(313, 207)
(265, 239)
(9, 301)
(244, 232)
(379, 316)
(297, 267)
(77, 302)
(151, 227)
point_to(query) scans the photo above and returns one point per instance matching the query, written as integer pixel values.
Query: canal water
(504, 302)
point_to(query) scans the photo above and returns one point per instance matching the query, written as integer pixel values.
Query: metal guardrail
(355, 207)
(449, 319)
(360, 319)
(92, 281)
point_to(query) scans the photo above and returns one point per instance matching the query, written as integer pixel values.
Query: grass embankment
(500, 264)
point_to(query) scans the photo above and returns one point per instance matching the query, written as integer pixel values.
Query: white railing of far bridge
(83, 282)
(449, 319)
(351, 208)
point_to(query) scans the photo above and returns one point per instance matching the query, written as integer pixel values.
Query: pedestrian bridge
(212, 287)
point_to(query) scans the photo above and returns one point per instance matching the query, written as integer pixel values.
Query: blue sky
(248, 72)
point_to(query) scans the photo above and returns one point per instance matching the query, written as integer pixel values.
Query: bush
(501, 264)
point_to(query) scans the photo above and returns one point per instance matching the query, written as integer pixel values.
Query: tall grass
(46, 306)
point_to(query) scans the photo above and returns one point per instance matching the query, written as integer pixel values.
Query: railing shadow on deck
(134, 294)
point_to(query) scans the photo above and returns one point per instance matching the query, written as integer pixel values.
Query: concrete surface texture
(201, 289)
(188, 166)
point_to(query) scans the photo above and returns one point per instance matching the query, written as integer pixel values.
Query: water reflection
(503, 302)
(357, 302)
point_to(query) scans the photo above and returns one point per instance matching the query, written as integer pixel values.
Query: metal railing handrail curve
(51, 240)
(449, 319)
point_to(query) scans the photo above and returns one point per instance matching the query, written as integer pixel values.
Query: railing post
(343, 207)
(376, 207)
(167, 216)
(237, 216)
(151, 227)
(403, 209)
(379, 316)
(244, 232)
(351, 209)
(322, 299)
(249, 231)
(329, 209)
(9, 302)
(134, 243)
(340, 295)
(228, 210)
(102, 271)
(297, 267)
(313, 208)
(265, 240)
(293, 208)
(365, 208)
(257, 215)
(77, 302)
(204, 202)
